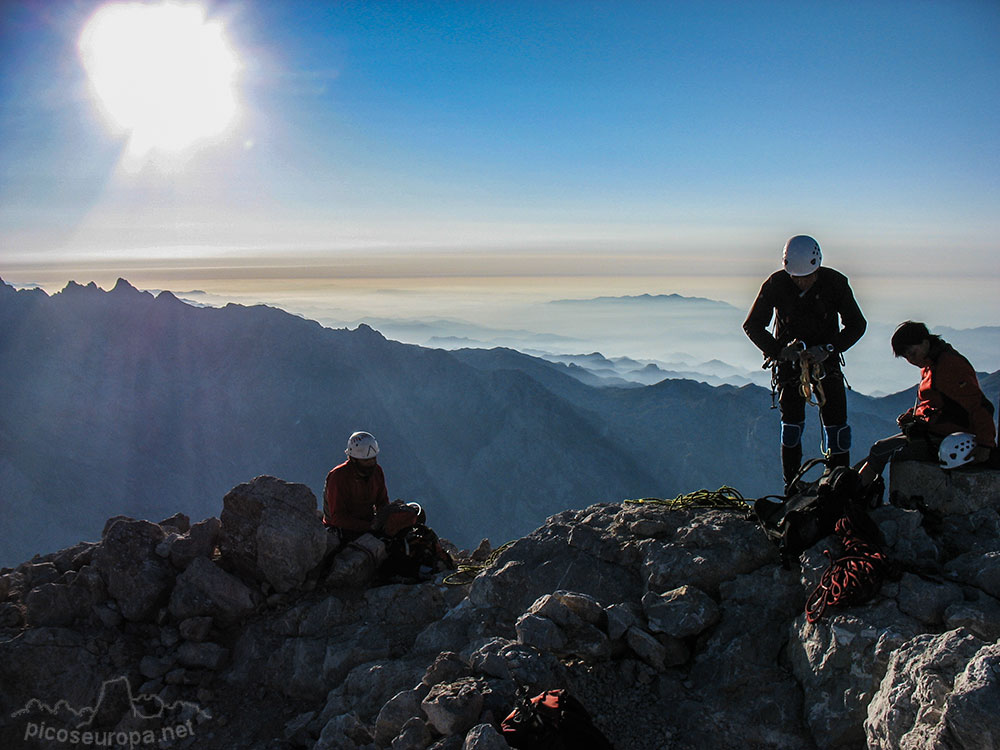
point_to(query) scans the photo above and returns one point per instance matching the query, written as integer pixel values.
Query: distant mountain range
(661, 300)
(120, 402)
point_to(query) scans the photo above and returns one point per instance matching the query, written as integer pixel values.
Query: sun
(162, 73)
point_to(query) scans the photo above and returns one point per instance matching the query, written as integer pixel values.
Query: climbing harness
(810, 385)
(467, 572)
(811, 382)
(724, 498)
(853, 578)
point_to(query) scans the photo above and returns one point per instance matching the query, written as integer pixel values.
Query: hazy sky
(546, 147)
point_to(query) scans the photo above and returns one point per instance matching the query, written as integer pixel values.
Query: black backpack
(794, 523)
(415, 553)
(553, 720)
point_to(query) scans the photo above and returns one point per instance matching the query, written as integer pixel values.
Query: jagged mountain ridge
(121, 403)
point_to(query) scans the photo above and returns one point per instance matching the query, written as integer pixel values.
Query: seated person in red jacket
(355, 490)
(949, 400)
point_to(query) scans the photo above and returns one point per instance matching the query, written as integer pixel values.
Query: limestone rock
(840, 661)
(135, 576)
(199, 541)
(270, 531)
(206, 590)
(484, 737)
(453, 707)
(345, 732)
(925, 600)
(515, 662)
(981, 569)
(939, 691)
(713, 547)
(681, 612)
(951, 493)
(447, 667)
(414, 735)
(356, 564)
(981, 616)
(402, 707)
(57, 604)
(540, 632)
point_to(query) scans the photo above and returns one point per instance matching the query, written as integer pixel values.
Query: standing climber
(355, 490)
(816, 319)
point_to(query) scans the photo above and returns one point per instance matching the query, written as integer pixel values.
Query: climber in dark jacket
(949, 401)
(816, 319)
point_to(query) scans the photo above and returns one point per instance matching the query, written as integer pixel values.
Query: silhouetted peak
(168, 297)
(367, 331)
(123, 287)
(73, 288)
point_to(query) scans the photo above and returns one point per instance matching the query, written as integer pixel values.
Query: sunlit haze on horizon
(470, 160)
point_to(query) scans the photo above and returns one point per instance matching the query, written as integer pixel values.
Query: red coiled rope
(853, 578)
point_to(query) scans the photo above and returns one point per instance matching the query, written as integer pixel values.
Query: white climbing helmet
(362, 445)
(801, 256)
(956, 450)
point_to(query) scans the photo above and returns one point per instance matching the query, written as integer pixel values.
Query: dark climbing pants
(923, 448)
(792, 405)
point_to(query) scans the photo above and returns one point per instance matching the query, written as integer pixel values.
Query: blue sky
(642, 146)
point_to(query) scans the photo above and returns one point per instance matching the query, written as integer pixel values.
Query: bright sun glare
(162, 73)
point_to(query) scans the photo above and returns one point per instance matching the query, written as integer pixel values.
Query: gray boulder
(57, 604)
(356, 564)
(925, 485)
(453, 707)
(402, 707)
(981, 569)
(271, 531)
(484, 737)
(840, 661)
(199, 541)
(681, 612)
(710, 548)
(206, 590)
(939, 691)
(135, 576)
(925, 600)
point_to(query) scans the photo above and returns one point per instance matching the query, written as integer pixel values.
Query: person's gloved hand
(790, 353)
(817, 353)
(914, 428)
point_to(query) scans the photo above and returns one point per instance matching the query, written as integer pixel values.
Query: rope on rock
(467, 572)
(724, 498)
(853, 578)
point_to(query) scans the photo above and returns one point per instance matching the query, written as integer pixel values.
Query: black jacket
(813, 317)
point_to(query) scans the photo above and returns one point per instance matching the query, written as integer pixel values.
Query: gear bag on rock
(398, 515)
(553, 720)
(415, 552)
(796, 522)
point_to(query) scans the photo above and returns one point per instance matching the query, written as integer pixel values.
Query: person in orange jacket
(949, 400)
(355, 490)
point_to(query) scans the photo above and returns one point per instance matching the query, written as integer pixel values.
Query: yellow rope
(724, 498)
(470, 570)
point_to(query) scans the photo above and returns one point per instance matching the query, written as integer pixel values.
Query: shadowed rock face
(671, 626)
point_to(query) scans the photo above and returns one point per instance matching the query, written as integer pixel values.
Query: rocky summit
(675, 627)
